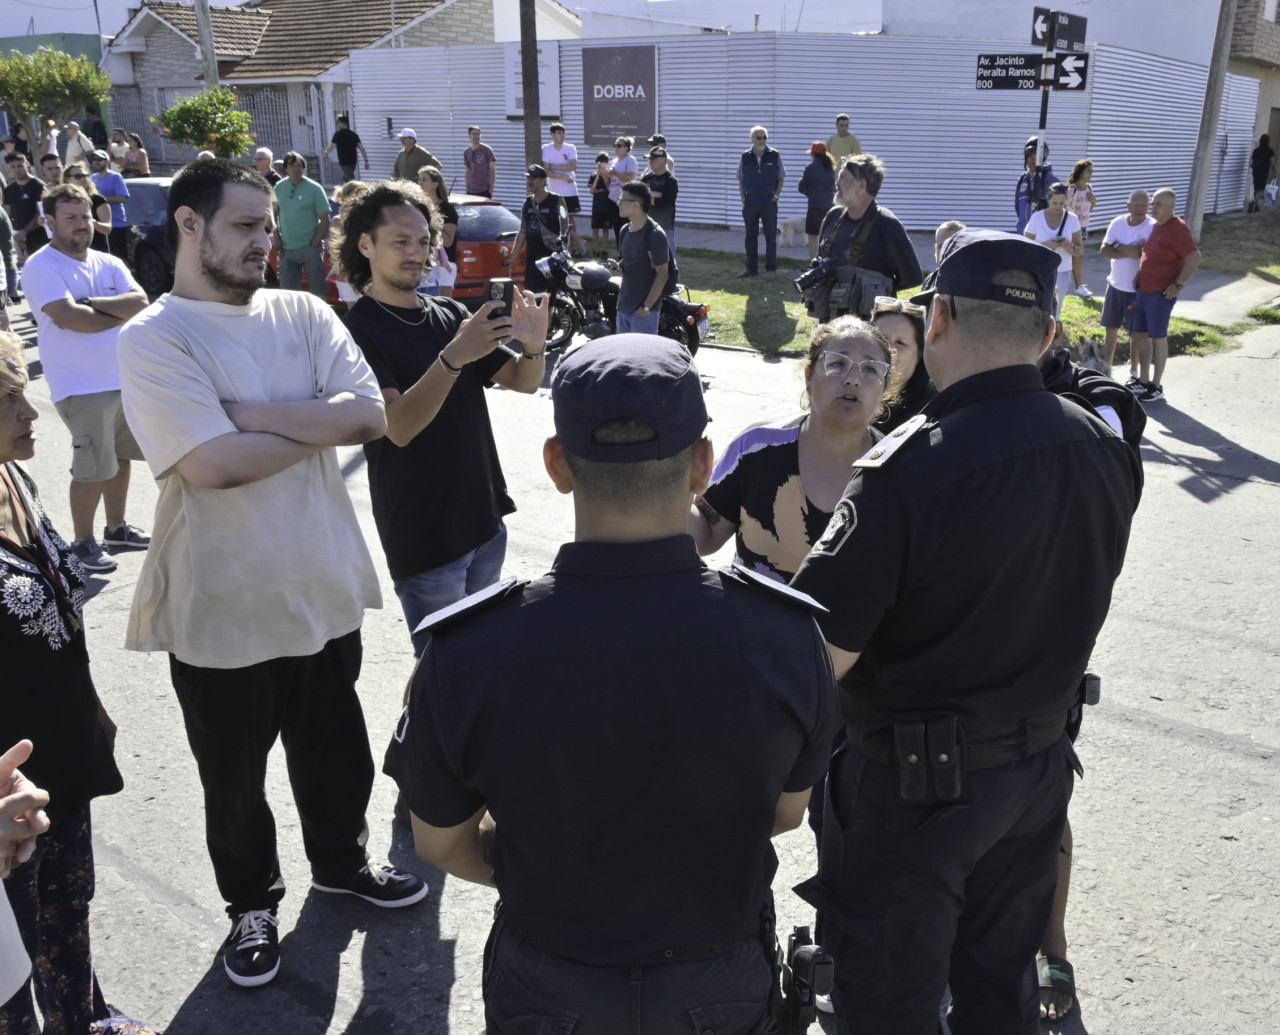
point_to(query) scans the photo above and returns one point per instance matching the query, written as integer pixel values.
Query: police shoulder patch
(741, 573)
(474, 602)
(880, 452)
(844, 519)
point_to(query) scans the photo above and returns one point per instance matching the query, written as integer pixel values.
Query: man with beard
(80, 299)
(258, 577)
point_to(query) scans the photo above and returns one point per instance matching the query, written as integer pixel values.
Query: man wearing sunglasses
(959, 665)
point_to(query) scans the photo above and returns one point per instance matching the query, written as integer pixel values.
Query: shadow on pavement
(403, 982)
(1209, 478)
(765, 322)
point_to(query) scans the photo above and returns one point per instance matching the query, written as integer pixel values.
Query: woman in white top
(118, 148)
(1056, 228)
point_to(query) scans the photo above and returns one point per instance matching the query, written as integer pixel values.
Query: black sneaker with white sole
(251, 953)
(1151, 394)
(91, 555)
(1135, 384)
(125, 537)
(384, 886)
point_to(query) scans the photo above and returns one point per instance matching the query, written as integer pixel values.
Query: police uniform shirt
(974, 569)
(630, 721)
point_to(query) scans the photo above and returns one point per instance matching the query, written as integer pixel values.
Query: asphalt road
(1175, 911)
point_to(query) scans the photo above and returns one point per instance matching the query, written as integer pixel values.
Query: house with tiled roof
(287, 60)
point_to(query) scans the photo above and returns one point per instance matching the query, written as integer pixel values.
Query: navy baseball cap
(972, 259)
(641, 376)
(537, 172)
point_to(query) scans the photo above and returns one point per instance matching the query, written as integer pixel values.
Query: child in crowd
(1080, 202)
(603, 211)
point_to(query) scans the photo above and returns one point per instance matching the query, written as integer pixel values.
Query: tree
(49, 85)
(209, 121)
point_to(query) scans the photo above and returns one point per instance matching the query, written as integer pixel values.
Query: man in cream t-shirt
(561, 162)
(258, 576)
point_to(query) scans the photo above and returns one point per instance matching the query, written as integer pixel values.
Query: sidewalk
(1217, 298)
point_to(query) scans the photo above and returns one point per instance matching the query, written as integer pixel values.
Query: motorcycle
(585, 299)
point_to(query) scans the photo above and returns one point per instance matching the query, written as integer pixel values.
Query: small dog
(1090, 359)
(792, 231)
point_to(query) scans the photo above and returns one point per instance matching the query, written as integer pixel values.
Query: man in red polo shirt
(1169, 258)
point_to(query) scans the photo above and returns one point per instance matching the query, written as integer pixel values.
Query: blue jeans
(292, 263)
(429, 591)
(753, 216)
(634, 323)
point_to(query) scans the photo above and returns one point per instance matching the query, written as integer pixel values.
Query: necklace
(422, 307)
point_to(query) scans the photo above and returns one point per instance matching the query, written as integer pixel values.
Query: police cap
(973, 258)
(641, 376)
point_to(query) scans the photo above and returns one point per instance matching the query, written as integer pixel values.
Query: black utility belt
(932, 757)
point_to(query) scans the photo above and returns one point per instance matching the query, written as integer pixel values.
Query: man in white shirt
(561, 162)
(79, 146)
(1123, 246)
(80, 299)
(258, 579)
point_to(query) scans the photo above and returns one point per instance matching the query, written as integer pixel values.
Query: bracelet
(452, 371)
(532, 355)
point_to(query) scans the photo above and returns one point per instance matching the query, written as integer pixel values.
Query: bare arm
(449, 234)
(655, 289)
(344, 419)
(1077, 243)
(102, 219)
(529, 328)
(460, 851)
(115, 199)
(321, 230)
(364, 154)
(1189, 268)
(409, 412)
(790, 811)
(80, 316)
(841, 660)
(709, 529)
(329, 150)
(241, 458)
(122, 307)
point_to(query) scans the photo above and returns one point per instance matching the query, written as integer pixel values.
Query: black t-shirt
(443, 494)
(633, 767)
(974, 569)
(449, 212)
(99, 242)
(22, 199)
(544, 213)
(49, 697)
(664, 211)
(345, 141)
(886, 250)
(273, 177)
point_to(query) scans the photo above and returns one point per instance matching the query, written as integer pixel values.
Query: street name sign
(1008, 71)
(1057, 30)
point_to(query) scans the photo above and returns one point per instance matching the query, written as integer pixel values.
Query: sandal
(1056, 975)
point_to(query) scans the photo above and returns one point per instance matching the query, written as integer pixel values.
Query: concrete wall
(1268, 94)
(1255, 36)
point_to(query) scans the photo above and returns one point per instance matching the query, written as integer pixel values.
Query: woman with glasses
(1058, 230)
(98, 205)
(775, 486)
(903, 324)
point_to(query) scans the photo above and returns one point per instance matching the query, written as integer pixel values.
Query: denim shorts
(1151, 311)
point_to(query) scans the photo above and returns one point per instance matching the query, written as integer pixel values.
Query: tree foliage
(49, 85)
(209, 121)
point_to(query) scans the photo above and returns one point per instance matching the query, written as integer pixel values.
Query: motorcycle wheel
(565, 321)
(671, 326)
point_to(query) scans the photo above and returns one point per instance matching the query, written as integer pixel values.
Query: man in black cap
(620, 790)
(983, 538)
(540, 228)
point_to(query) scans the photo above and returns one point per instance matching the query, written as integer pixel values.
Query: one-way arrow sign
(1070, 71)
(1040, 26)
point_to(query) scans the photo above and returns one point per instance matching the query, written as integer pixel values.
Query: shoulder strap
(864, 231)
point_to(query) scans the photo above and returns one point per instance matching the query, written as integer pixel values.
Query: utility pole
(205, 24)
(1202, 162)
(529, 80)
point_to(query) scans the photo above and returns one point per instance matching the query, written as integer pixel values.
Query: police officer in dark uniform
(613, 745)
(968, 570)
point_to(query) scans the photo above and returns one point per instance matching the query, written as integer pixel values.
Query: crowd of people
(863, 663)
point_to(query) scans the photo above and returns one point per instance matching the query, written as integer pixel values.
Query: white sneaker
(1083, 291)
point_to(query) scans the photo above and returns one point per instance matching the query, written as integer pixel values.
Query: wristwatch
(647, 309)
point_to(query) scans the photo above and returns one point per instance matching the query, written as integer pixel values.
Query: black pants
(118, 242)
(911, 895)
(527, 990)
(233, 717)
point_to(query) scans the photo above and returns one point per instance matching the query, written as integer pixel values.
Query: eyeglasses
(759, 138)
(885, 304)
(77, 176)
(871, 371)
